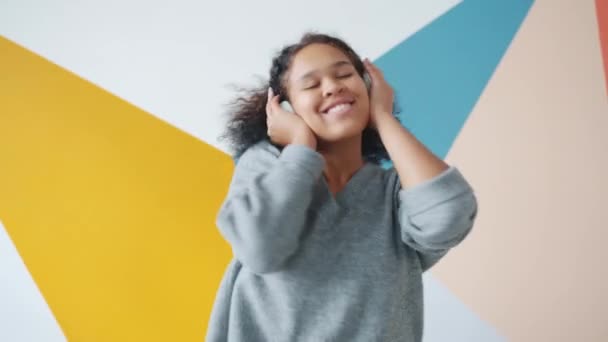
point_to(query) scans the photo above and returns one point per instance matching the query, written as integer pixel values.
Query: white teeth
(339, 108)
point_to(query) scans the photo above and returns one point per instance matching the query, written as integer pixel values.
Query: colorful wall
(111, 171)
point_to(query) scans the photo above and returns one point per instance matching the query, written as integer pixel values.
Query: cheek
(365, 105)
(306, 105)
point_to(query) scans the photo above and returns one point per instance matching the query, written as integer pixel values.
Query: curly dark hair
(247, 112)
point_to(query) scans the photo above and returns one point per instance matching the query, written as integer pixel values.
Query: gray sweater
(311, 266)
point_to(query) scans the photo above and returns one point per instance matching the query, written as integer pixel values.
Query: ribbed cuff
(443, 187)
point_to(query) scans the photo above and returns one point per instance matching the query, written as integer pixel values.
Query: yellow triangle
(111, 209)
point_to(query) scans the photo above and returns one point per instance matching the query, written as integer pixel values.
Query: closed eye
(316, 84)
(311, 86)
(345, 75)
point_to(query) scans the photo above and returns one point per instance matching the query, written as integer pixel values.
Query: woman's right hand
(285, 128)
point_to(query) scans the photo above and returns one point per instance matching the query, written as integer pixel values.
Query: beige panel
(536, 150)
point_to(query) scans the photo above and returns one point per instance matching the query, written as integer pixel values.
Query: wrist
(305, 138)
(383, 119)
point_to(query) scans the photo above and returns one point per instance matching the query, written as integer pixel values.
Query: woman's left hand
(381, 94)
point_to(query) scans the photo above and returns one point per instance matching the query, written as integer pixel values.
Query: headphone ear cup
(286, 106)
(368, 81)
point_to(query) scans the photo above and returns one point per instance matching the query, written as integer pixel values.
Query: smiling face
(325, 89)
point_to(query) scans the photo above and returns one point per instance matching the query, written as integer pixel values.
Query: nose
(332, 87)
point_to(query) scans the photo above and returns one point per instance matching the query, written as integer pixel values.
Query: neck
(342, 160)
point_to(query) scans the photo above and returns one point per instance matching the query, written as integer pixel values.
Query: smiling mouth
(339, 109)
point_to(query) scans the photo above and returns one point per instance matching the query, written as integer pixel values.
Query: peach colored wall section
(536, 150)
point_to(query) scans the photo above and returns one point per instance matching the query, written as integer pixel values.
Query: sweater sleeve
(265, 209)
(436, 215)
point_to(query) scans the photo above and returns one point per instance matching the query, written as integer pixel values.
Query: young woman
(328, 245)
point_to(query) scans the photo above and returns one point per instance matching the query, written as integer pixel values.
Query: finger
(371, 65)
(268, 126)
(269, 118)
(373, 70)
(268, 101)
(370, 70)
(275, 107)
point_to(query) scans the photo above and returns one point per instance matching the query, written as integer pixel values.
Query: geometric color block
(601, 8)
(440, 72)
(111, 209)
(447, 318)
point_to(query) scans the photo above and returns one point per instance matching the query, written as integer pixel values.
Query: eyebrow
(333, 66)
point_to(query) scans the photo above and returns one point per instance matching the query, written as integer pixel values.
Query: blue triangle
(440, 72)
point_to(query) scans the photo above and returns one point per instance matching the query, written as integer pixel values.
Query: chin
(342, 133)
